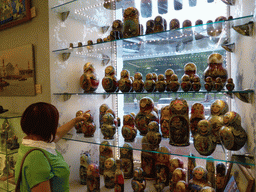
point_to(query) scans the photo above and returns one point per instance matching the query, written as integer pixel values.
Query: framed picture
(17, 72)
(14, 12)
(242, 177)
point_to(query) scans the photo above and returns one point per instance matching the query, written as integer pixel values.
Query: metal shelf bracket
(245, 29)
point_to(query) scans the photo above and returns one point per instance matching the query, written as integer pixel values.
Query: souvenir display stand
(81, 32)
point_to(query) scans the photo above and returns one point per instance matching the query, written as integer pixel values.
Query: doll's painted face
(203, 127)
(180, 187)
(177, 175)
(102, 148)
(109, 163)
(198, 173)
(124, 151)
(174, 164)
(178, 105)
(215, 108)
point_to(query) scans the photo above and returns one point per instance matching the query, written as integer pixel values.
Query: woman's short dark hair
(40, 119)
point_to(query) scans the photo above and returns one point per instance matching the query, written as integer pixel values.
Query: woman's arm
(42, 187)
(64, 129)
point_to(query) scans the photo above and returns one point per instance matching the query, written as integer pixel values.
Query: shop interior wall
(34, 32)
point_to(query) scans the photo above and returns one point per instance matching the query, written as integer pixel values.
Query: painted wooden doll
(153, 136)
(210, 167)
(207, 189)
(149, 84)
(174, 84)
(204, 141)
(230, 85)
(138, 181)
(138, 83)
(109, 81)
(129, 131)
(131, 22)
(89, 80)
(232, 135)
(196, 85)
(218, 109)
(168, 73)
(179, 123)
(126, 156)
(158, 24)
(145, 115)
(119, 177)
(125, 83)
(108, 128)
(181, 186)
(150, 26)
(177, 175)
(105, 153)
(165, 121)
(208, 84)
(161, 83)
(185, 84)
(78, 126)
(197, 114)
(109, 173)
(174, 163)
(199, 179)
(102, 111)
(162, 168)
(215, 68)
(88, 126)
(93, 178)
(220, 177)
(85, 161)
(190, 70)
(191, 166)
(218, 86)
(117, 27)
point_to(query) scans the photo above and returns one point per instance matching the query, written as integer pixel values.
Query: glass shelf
(219, 155)
(193, 39)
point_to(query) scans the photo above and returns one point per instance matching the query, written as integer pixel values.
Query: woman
(39, 122)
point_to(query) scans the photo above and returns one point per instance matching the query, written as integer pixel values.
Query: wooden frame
(14, 12)
(242, 175)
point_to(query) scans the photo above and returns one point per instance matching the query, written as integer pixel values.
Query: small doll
(174, 163)
(220, 177)
(165, 121)
(181, 186)
(117, 28)
(138, 83)
(93, 178)
(109, 173)
(159, 24)
(197, 114)
(85, 161)
(207, 189)
(208, 84)
(138, 181)
(153, 136)
(119, 177)
(168, 73)
(199, 179)
(177, 175)
(174, 84)
(125, 83)
(211, 170)
(89, 80)
(150, 26)
(218, 86)
(109, 81)
(103, 109)
(149, 84)
(108, 128)
(196, 85)
(185, 84)
(126, 156)
(88, 126)
(161, 83)
(230, 85)
(78, 126)
(131, 22)
(105, 153)
(191, 166)
(129, 131)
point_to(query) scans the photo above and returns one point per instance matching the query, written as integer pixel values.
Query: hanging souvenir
(168, 73)
(215, 68)
(149, 84)
(177, 175)
(109, 173)
(199, 179)
(179, 123)
(165, 121)
(89, 80)
(162, 6)
(131, 22)
(197, 114)
(108, 128)
(138, 83)
(174, 84)
(109, 81)
(78, 126)
(119, 177)
(210, 167)
(218, 109)
(161, 83)
(204, 141)
(220, 177)
(93, 178)
(129, 131)
(230, 85)
(105, 153)
(125, 83)
(85, 161)
(232, 135)
(146, 8)
(88, 126)
(126, 156)
(138, 181)
(153, 136)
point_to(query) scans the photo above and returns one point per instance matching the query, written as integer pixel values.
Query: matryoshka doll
(174, 84)
(129, 131)
(93, 178)
(159, 24)
(218, 86)
(105, 153)
(190, 70)
(191, 166)
(161, 83)
(149, 84)
(125, 83)
(181, 186)
(109, 173)
(117, 27)
(199, 179)
(165, 121)
(138, 83)
(150, 26)
(210, 167)
(177, 175)
(103, 109)
(197, 114)
(174, 163)
(108, 128)
(85, 161)
(145, 115)
(179, 123)
(78, 126)
(230, 85)
(208, 84)
(220, 177)
(168, 73)
(138, 181)
(207, 189)
(218, 109)
(109, 81)
(153, 136)
(162, 167)
(88, 126)
(131, 22)
(89, 80)
(126, 156)
(215, 68)
(119, 177)
(196, 85)
(232, 135)
(204, 141)
(185, 83)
